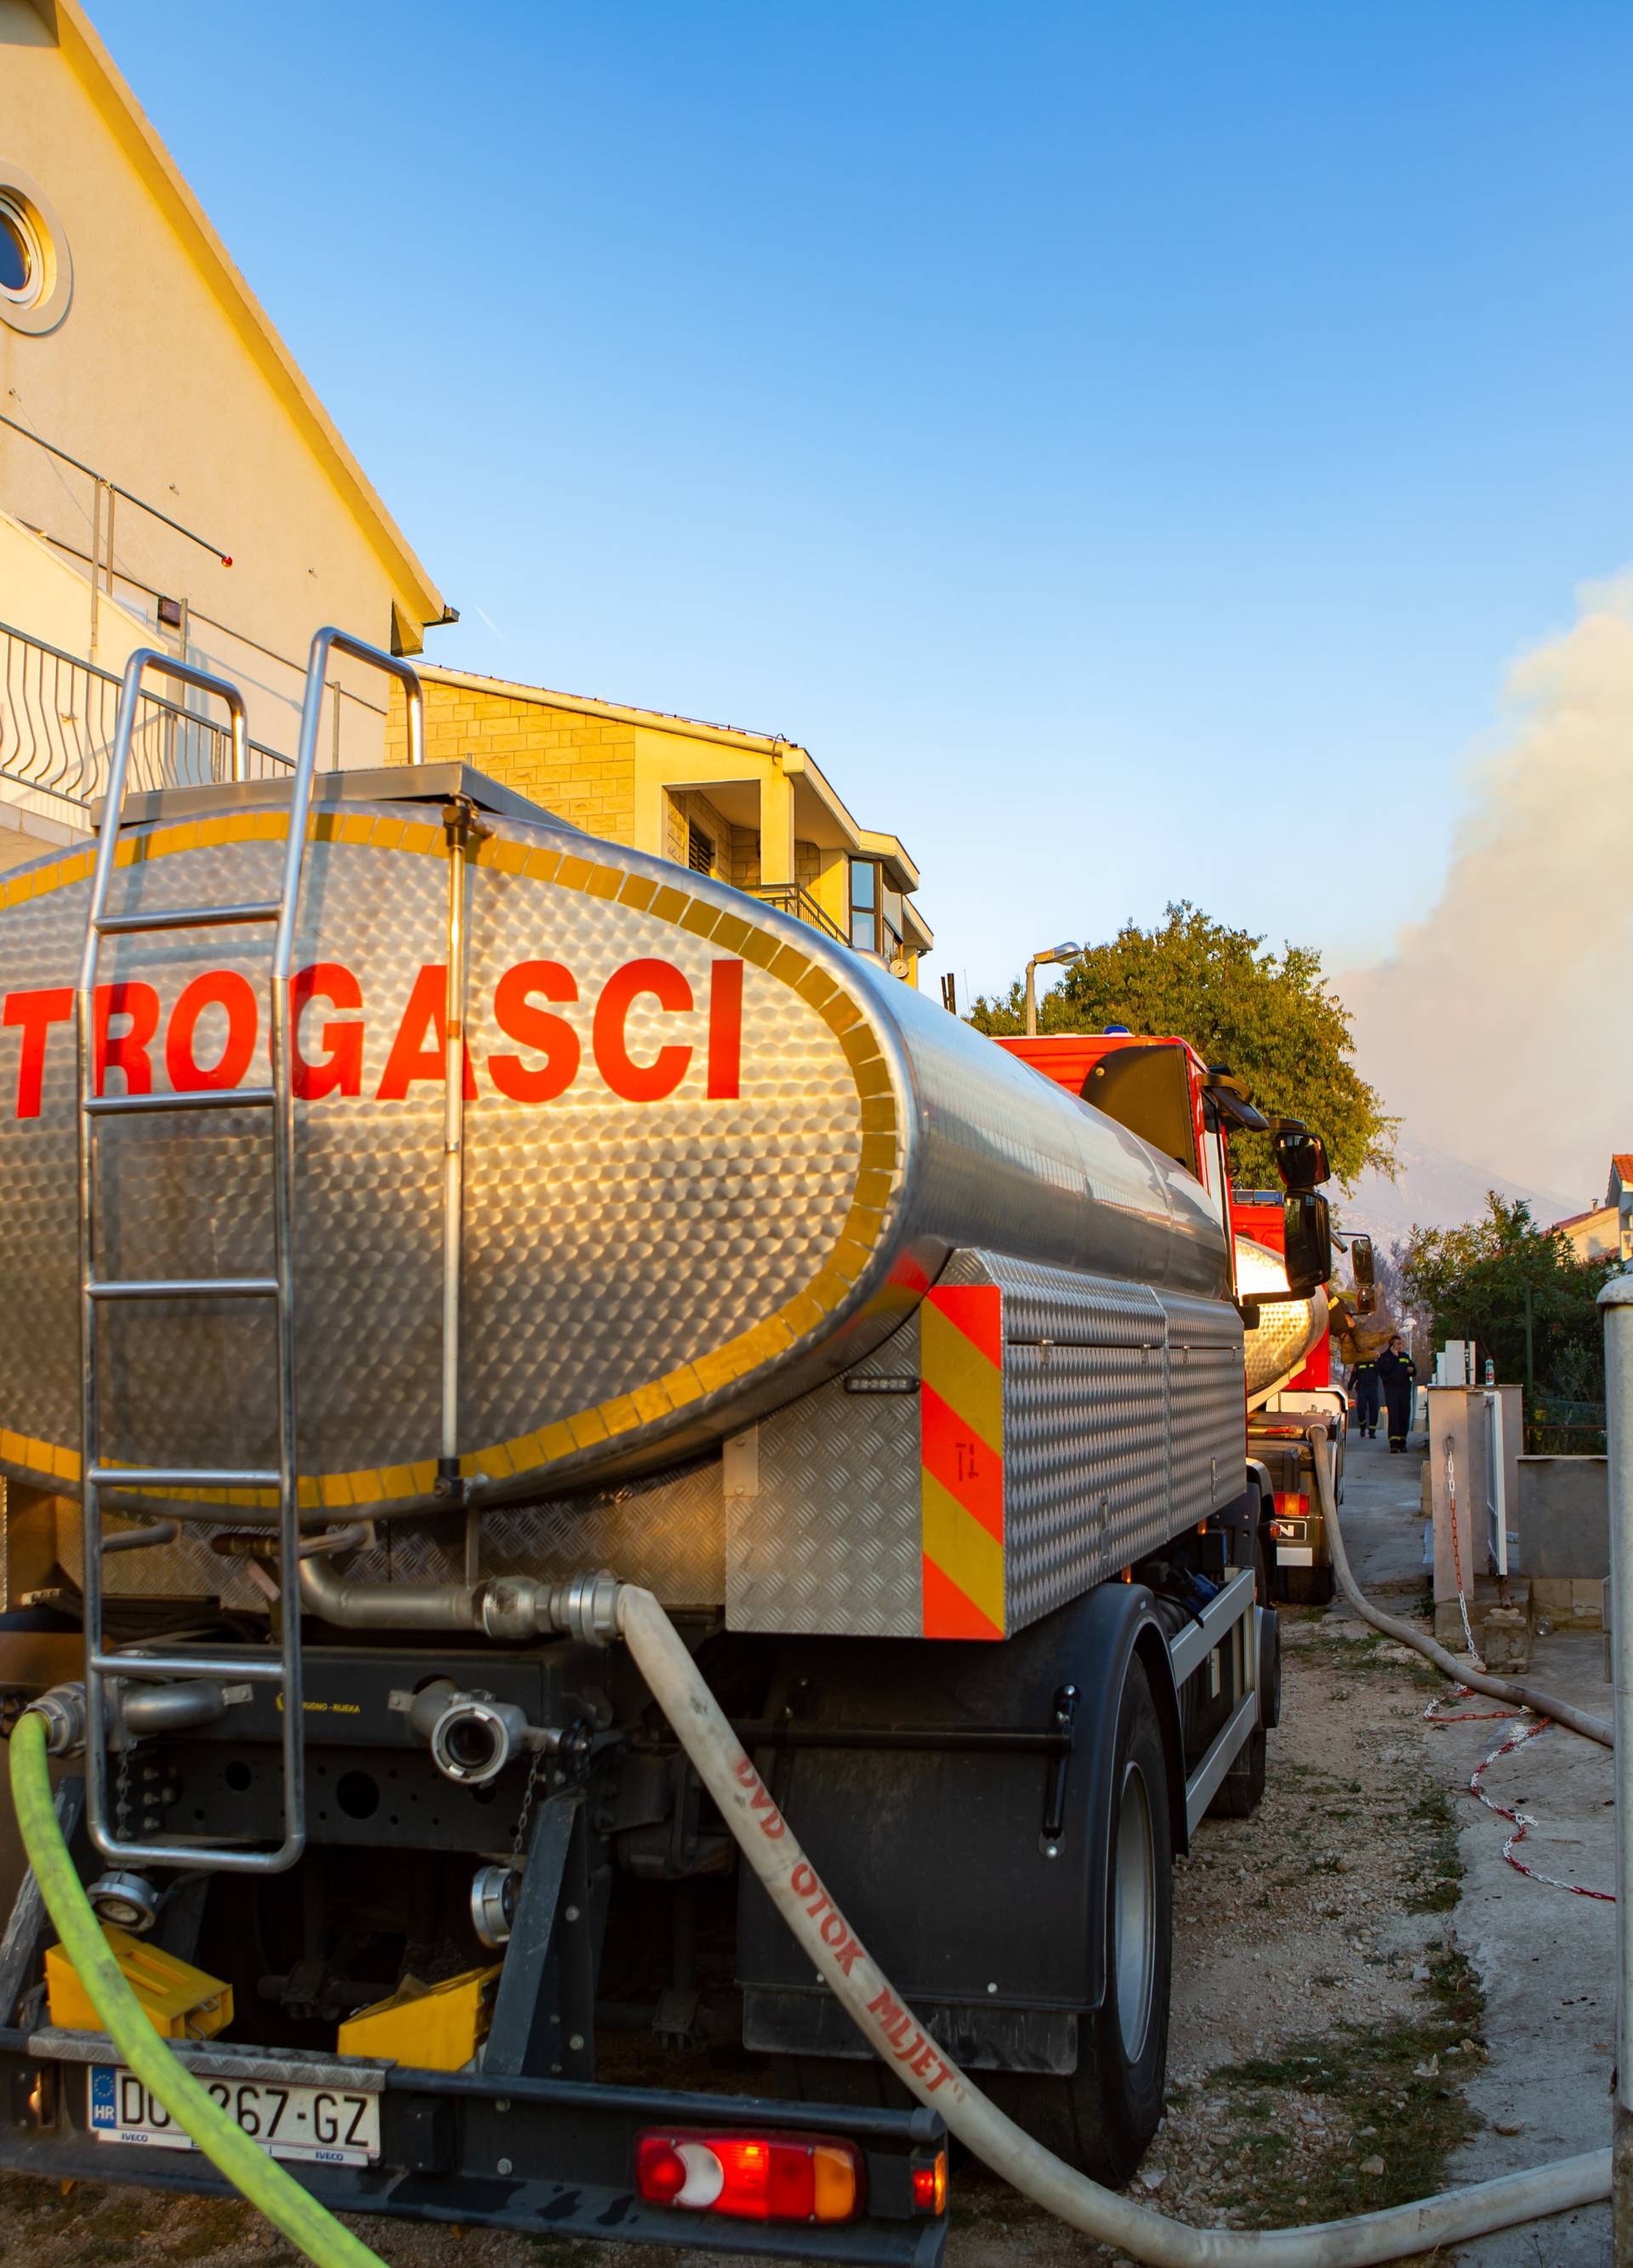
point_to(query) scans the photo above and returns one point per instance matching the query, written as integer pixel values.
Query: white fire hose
(905, 2047)
(1477, 1681)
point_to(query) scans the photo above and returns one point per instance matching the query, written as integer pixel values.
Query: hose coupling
(585, 1607)
(472, 1737)
(476, 1737)
(507, 1608)
(64, 1710)
(125, 1900)
(493, 1904)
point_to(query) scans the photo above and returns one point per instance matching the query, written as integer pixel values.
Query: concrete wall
(1564, 1535)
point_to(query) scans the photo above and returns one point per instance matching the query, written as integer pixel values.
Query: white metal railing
(57, 715)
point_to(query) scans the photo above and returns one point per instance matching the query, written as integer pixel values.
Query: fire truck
(422, 1218)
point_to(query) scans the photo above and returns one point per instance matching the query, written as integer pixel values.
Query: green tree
(1473, 1281)
(1268, 1015)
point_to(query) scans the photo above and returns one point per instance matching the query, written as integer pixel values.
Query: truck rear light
(929, 2185)
(752, 2177)
(1292, 1504)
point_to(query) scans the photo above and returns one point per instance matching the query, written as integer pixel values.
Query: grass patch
(1373, 1656)
(1441, 1871)
(1400, 2079)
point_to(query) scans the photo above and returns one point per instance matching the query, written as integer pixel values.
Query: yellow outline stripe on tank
(566, 870)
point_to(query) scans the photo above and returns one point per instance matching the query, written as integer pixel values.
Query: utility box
(1481, 1430)
(1454, 1365)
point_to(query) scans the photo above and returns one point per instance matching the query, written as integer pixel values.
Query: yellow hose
(249, 2168)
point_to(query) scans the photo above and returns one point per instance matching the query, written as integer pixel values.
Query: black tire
(1101, 2118)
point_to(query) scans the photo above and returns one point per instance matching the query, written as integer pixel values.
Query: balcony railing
(57, 726)
(793, 898)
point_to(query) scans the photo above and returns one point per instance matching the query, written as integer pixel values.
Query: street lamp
(1067, 952)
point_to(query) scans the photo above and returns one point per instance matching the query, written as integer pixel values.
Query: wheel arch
(930, 1857)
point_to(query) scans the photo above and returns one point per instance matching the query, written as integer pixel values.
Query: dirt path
(1322, 2018)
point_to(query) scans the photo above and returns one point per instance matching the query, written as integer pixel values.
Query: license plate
(328, 2125)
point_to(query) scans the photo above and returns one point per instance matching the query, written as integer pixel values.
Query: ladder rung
(203, 1098)
(255, 1668)
(199, 1476)
(189, 918)
(187, 1287)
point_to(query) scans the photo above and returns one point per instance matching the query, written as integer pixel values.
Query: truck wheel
(1102, 2116)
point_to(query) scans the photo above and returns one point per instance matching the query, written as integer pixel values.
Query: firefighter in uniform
(1396, 1372)
(1367, 1388)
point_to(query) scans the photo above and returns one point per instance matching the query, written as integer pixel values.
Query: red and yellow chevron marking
(961, 1364)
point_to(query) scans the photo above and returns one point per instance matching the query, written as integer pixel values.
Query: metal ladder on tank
(247, 1665)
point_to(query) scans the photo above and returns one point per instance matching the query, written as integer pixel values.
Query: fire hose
(1477, 1681)
(906, 2048)
(251, 2170)
(878, 2011)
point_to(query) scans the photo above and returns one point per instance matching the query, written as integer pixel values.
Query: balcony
(57, 715)
(792, 898)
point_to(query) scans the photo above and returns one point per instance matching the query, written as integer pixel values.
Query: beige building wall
(163, 375)
(581, 768)
(635, 776)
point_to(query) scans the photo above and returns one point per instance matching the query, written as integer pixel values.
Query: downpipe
(1616, 1304)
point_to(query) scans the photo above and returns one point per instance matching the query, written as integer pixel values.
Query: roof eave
(79, 43)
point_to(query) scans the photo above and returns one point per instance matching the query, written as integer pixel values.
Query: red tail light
(929, 2185)
(750, 2176)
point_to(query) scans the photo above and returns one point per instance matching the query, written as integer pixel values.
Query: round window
(36, 275)
(17, 260)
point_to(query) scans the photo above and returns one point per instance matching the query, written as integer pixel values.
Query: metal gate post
(1616, 1300)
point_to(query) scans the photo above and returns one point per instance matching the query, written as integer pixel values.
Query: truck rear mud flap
(551, 2157)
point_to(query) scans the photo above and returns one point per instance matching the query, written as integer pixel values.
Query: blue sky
(1126, 445)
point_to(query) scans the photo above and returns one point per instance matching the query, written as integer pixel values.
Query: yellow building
(751, 808)
(153, 427)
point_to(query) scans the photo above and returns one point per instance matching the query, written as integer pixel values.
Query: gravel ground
(1322, 2018)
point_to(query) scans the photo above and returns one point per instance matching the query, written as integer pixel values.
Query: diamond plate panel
(1052, 1304)
(1123, 1425)
(1085, 1470)
(666, 1530)
(186, 1569)
(831, 1542)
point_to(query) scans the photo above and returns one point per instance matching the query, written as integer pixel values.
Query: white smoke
(1500, 1028)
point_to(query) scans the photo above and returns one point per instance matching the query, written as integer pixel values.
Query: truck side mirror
(1361, 1267)
(1309, 1236)
(1300, 1155)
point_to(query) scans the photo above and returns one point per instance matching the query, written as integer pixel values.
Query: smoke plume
(1499, 1027)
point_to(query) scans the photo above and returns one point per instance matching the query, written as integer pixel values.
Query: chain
(121, 1792)
(1457, 1559)
(519, 1840)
